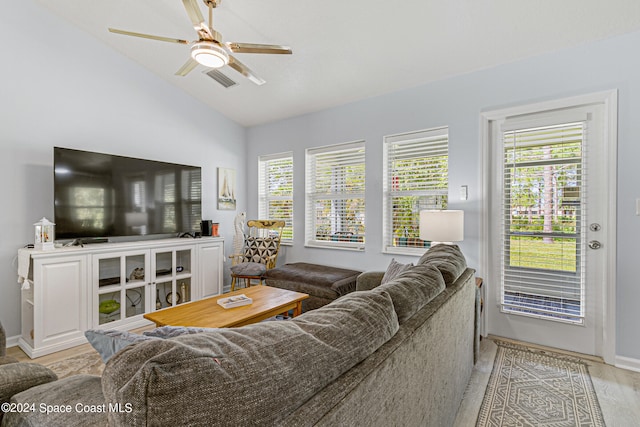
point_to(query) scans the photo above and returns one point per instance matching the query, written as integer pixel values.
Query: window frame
(312, 196)
(264, 196)
(425, 138)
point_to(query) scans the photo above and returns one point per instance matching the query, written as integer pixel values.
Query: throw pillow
(413, 289)
(109, 342)
(449, 260)
(260, 249)
(394, 270)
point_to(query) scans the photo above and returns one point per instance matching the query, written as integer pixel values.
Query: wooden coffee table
(207, 313)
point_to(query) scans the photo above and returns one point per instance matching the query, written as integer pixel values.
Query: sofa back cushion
(413, 289)
(253, 375)
(448, 259)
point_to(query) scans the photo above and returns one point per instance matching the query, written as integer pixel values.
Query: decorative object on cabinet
(108, 306)
(44, 235)
(226, 189)
(137, 274)
(183, 292)
(178, 297)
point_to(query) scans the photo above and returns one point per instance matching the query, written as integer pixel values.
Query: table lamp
(442, 226)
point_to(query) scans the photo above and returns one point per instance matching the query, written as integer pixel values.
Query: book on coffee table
(235, 301)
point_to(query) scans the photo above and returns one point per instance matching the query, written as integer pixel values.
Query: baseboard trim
(627, 363)
(12, 341)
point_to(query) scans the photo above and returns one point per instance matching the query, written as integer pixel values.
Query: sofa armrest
(369, 280)
(18, 377)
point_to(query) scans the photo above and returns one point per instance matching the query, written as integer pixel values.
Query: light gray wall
(74, 92)
(457, 103)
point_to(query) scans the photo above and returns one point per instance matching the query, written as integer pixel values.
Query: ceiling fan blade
(258, 48)
(187, 67)
(194, 12)
(148, 36)
(245, 71)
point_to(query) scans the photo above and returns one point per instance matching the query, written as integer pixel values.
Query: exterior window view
(416, 179)
(335, 195)
(542, 273)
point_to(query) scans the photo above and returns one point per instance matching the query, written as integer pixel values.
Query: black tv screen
(103, 195)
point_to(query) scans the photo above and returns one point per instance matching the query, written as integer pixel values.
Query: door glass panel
(134, 268)
(108, 272)
(109, 307)
(164, 266)
(164, 295)
(184, 291)
(135, 303)
(183, 261)
(542, 272)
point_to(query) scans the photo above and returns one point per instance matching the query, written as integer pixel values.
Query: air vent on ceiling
(221, 78)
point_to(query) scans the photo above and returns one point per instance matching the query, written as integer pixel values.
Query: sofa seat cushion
(253, 375)
(82, 393)
(449, 260)
(413, 289)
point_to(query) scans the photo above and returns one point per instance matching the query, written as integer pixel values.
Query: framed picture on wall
(226, 189)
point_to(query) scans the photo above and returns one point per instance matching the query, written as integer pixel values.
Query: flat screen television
(104, 195)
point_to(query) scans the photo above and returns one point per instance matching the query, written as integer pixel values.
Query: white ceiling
(346, 50)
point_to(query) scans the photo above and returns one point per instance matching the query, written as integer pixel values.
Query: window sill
(336, 245)
(404, 251)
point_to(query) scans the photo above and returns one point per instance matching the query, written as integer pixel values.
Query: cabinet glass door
(172, 269)
(122, 286)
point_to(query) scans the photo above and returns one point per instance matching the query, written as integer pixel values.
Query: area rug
(84, 363)
(532, 387)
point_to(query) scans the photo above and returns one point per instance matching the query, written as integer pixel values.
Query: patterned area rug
(84, 363)
(531, 387)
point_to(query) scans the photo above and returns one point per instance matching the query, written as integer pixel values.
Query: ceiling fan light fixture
(209, 54)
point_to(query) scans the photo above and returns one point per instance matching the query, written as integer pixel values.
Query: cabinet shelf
(108, 289)
(108, 281)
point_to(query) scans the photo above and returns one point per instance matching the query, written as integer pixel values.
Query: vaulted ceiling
(348, 50)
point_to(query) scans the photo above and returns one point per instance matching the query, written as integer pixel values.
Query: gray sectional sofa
(399, 353)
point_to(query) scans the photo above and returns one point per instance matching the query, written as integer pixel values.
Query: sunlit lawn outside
(533, 252)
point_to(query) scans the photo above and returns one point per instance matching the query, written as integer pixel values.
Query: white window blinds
(415, 173)
(543, 206)
(275, 190)
(335, 203)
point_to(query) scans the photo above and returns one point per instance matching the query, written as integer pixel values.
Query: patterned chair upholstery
(260, 252)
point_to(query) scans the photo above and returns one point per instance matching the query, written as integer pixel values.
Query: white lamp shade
(442, 225)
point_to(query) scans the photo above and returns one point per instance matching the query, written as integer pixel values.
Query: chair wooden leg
(247, 283)
(233, 283)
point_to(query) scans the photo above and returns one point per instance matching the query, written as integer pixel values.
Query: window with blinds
(275, 190)
(335, 203)
(415, 173)
(543, 205)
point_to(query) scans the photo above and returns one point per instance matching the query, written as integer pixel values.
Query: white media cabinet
(111, 285)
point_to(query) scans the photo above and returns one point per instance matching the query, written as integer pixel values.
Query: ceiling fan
(209, 50)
